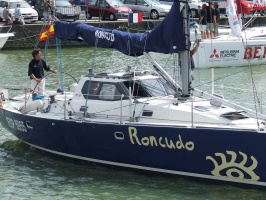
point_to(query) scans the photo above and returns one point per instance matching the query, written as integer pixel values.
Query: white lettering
(163, 142)
(105, 35)
(16, 124)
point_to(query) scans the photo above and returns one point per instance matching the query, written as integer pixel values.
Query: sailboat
(142, 118)
(241, 47)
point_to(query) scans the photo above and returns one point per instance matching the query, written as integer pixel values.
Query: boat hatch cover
(201, 108)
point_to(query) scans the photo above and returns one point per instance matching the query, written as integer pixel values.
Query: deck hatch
(147, 113)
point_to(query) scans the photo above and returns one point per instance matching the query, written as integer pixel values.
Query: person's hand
(53, 70)
(38, 80)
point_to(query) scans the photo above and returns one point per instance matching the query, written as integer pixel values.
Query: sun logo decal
(234, 169)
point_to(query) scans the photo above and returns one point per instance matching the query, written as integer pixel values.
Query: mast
(185, 55)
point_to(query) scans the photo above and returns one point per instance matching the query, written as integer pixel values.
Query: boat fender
(73, 87)
(31, 106)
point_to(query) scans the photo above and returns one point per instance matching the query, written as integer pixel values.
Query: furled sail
(167, 37)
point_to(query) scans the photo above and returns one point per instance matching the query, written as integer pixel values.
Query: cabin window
(109, 92)
(158, 87)
(138, 89)
(150, 87)
(90, 90)
(102, 91)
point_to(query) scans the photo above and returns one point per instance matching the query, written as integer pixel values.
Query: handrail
(6, 26)
(252, 19)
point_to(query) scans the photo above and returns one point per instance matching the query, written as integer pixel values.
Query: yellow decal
(163, 142)
(234, 170)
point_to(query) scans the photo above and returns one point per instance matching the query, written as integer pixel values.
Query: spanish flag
(45, 35)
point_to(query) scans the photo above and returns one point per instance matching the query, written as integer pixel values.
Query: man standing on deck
(210, 28)
(203, 21)
(216, 19)
(36, 72)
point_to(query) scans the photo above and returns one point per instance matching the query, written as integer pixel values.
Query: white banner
(232, 18)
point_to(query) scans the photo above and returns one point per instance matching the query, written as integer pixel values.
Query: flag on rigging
(135, 17)
(45, 35)
(232, 18)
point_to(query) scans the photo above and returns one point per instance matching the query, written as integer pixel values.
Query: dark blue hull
(226, 155)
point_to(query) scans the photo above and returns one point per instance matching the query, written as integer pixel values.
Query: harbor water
(28, 173)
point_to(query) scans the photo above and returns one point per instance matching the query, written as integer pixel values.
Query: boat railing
(252, 19)
(9, 27)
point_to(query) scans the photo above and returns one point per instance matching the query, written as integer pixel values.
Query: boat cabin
(114, 87)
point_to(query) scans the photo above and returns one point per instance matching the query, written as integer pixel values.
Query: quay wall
(26, 36)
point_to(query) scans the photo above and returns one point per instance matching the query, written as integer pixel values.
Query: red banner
(247, 6)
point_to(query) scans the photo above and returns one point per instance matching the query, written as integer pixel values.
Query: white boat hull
(4, 37)
(226, 51)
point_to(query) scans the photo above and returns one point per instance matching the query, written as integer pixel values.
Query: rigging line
(24, 38)
(116, 108)
(43, 78)
(45, 48)
(252, 19)
(125, 106)
(132, 91)
(232, 88)
(94, 53)
(133, 29)
(59, 57)
(220, 78)
(26, 100)
(128, 42)
(137, 94)
(255, 93)
(23, 29)
(71, 77)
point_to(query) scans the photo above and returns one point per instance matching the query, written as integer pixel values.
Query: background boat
(241, 46)
(5, 35)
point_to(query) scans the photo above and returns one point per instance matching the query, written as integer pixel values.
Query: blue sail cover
(167, 37)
